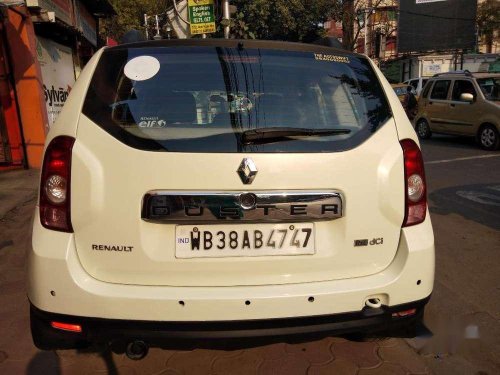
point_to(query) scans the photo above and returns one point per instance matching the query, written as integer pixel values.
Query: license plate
(206, 241)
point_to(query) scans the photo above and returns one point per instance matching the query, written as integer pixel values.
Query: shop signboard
(201, 16)
(86, 23)
(431, 69)
(58, 75)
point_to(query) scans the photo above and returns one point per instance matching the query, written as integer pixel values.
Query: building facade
(375, 30)
(489, 39)
(44, 44)
(375, 33)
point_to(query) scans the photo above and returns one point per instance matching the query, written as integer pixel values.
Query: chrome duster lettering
(267, 206)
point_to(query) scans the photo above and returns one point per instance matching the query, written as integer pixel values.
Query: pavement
(18, 194)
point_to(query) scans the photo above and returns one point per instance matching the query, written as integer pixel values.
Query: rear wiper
(275, 134)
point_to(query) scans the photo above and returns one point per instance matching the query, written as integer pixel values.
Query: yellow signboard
(201, 16)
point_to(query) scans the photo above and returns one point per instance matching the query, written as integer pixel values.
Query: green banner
(201, 16)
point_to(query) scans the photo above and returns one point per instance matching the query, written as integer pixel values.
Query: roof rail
(465, 72)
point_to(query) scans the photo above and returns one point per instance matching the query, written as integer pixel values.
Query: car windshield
(490, 87)
(202, 99)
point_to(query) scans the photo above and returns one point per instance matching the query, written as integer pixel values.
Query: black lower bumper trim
(368, 321)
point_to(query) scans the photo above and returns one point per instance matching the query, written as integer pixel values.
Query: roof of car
(486, 75)
(237, 43)
(466, 74)
(396, 85)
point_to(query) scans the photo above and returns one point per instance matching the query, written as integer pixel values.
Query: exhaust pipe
(373, 303)
(136, 350)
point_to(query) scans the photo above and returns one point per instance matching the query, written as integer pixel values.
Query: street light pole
(157, 36)
(226, 16)
(366, 32)
(146, 25)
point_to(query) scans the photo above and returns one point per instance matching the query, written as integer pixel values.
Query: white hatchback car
(225, 189)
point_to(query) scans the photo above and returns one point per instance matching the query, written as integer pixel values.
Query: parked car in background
(461, 103)
(417, 83)
(400, 89)
(407, 98)
(223, 189)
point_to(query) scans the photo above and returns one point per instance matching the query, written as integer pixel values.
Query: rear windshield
(203, 99)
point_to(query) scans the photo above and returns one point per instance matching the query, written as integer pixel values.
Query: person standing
(410, 103)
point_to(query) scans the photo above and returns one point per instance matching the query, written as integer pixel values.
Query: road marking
(460, 159)
(479, 197)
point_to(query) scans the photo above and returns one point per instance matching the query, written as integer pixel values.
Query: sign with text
(58, 75)
(201, 16)
(430, 69)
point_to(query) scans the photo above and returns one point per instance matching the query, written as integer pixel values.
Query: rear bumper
(368, 321)
(59, 289)
(58, 283)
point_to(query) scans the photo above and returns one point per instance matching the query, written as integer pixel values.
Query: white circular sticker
(142, 68)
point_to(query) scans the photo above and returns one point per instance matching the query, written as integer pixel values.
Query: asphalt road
(464, 200)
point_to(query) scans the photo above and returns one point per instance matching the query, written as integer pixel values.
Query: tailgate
(117, 243)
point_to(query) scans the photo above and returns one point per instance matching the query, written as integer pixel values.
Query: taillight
(415, 186)
(55, 185)
(404, 313)
(66, 326)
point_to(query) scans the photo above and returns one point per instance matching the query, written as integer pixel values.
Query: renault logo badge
(247, 171)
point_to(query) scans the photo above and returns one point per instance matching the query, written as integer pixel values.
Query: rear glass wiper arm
(268, 135)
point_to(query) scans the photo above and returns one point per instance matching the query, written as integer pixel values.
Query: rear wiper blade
(274, 134)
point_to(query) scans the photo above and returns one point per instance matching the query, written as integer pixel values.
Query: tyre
(488, 137)
(423, 129)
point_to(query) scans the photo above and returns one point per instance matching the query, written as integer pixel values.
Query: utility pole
(157, 36)
(366, 32)
(226, 16)
(146, 25)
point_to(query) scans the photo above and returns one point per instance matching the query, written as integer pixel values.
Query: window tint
(424, 81)
(414, 83)
(462, 87)
(440, 90)
(203, 98)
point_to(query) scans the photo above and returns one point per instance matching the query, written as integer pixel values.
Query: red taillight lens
(55, 185)
(66, 326)
(415, 186)
(404, 313)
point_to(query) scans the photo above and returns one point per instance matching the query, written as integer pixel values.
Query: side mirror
(466, 97)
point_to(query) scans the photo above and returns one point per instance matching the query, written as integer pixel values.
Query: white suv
(220, 189)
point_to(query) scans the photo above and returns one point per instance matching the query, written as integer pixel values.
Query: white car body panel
(54, 266)
(113, 178)
(148, 284)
